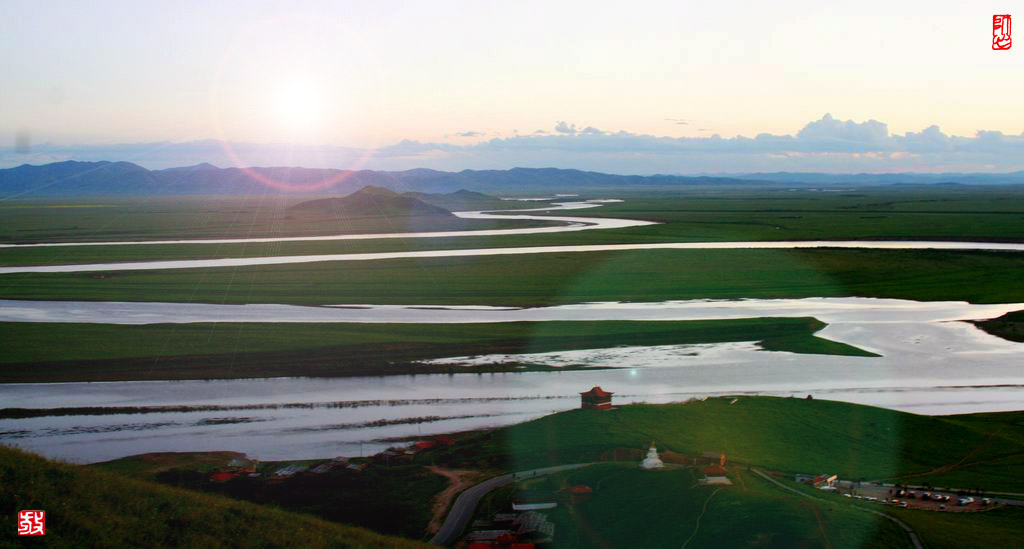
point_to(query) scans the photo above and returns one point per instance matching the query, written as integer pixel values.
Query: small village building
(668, 456)
(222, 476)
(825, 481)
(712, 458)
(596, 399)
(579, 493)
(716, 474)
(652, 461)
(242, 465)
(533, 501)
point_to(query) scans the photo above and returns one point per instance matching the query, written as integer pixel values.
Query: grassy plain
(559, 278)
(1001, 527)
(139, 218)
(104, 352)
(684, 215)
(86, 507)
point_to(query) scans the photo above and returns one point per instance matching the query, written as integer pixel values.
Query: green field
(95, 352)
(687, 215)
(1001, 527)
(560, 278)
(782, 434)
(81, 219)
(1009, 326)
(91, 508)
(631, 507)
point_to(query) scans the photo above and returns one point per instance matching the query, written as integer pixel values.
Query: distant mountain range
(73, 178)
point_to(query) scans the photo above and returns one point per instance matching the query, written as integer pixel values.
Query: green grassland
(1009, 326)
(104, 352)
(560, 278)
(102, 219)
(782, 434)
(631, 507)
(688, 215)
(1003, 527)
(86, 507)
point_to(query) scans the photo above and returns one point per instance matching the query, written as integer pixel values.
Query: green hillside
(91, 508)
(783, 434)
(631, 507)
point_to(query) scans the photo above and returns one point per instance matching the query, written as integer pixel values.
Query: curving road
(904, 526)
(462, 510)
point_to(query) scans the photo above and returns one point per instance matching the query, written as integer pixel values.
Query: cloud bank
(824, 145)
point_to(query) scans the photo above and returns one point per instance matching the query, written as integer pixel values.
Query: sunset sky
(453, 85)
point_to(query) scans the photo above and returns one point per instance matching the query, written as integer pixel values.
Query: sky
(638, 87)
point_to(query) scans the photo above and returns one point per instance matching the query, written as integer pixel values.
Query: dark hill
(371, 201)
(86, 507)
(460, 200)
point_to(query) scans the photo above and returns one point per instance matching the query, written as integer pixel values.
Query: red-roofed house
(222, 476)
(596, 399)
(579, 492)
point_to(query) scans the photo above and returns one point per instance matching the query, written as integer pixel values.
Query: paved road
(906, 527)
(465, 505)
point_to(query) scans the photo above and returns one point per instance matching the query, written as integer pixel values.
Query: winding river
(931, 362)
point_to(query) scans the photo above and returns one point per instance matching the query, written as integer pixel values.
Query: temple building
(596, 399)
(652, 461)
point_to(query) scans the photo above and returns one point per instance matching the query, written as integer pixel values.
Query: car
(942, 507)
(903, 504)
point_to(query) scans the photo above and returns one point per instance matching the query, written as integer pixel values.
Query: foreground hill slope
(91, 508)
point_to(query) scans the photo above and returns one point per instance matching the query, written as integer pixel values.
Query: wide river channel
(932, 361)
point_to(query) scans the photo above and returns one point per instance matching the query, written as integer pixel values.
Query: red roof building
(579, 493)
(596, 399)
(715, 471)
(222, 476)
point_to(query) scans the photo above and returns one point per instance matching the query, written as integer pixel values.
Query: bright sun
(299, 105)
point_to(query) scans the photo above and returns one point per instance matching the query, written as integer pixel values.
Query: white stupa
(652, 461)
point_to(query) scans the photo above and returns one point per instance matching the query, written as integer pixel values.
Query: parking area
(921, 499)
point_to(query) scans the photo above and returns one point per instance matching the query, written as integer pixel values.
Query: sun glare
(299, 106)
